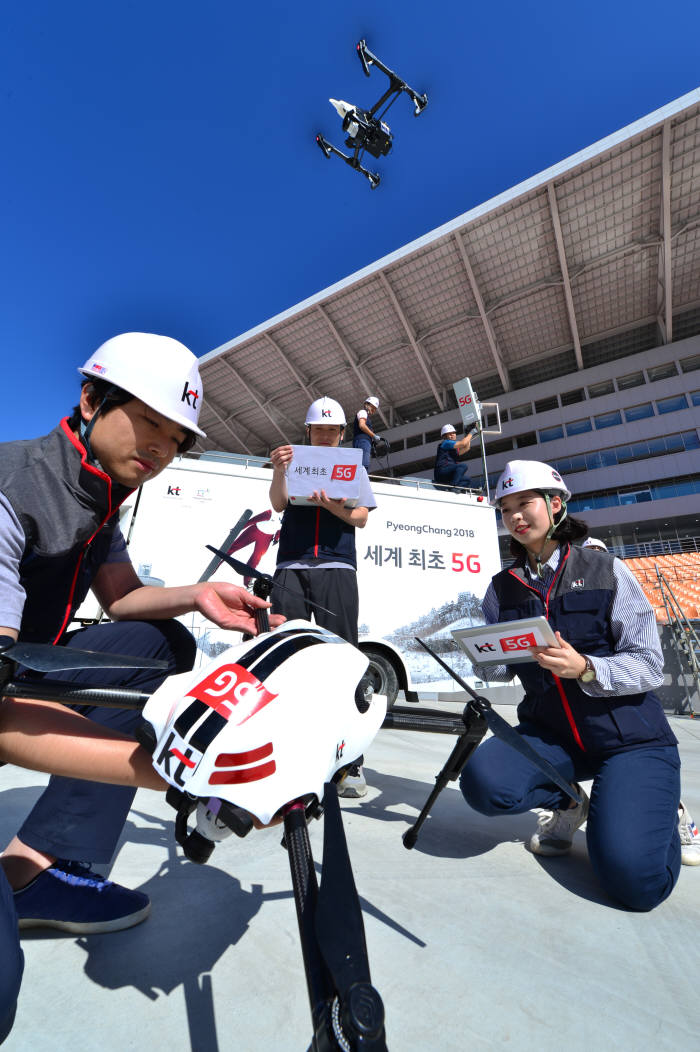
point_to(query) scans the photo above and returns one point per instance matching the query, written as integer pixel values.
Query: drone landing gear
(328, 148)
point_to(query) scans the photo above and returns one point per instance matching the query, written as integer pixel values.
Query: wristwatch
(588, 674)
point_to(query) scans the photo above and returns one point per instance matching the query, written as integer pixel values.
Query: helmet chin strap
(552, 527)
(86, 429)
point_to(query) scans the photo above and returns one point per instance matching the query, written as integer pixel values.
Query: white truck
(424, 559)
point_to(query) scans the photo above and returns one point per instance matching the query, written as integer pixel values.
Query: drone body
(365, 129)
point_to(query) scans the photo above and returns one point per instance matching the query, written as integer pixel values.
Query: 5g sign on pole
(471, 409)
(468, 404)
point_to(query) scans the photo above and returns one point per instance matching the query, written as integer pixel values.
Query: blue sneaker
(70, 897)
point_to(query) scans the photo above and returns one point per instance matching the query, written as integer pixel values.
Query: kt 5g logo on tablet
(521, 642)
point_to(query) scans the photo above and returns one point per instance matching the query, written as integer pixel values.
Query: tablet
(506, 642)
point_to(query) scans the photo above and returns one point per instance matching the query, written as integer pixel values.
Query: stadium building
(572, 301)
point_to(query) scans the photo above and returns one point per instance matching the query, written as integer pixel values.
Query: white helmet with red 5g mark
(267, 722)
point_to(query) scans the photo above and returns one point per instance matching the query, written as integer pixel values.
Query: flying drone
(365, 128)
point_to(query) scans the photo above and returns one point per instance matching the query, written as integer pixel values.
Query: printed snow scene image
(435, 627)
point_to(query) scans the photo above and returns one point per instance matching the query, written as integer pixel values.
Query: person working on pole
(448, 471)
(363, 437)
(59, 536)
(316, 557)
(589, 705)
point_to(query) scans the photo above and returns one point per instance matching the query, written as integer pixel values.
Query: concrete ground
(473, 942)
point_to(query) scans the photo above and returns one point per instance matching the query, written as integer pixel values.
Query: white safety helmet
(158, 370)
(372, 400)
(325, 411)
(593, 542)
(447, 429)
(254, 726)
(519, 475)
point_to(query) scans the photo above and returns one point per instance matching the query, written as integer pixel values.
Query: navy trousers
(455, 476)
(11, 958)
(80, 820)
(364, 442)
(334, 588)
(632, 828)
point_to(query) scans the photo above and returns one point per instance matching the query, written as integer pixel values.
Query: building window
(598, 390)
(695, 397)
(631, 380)
(689, 365)
(414, 440)
(638, 496)
(671, 405)
(529, 439)
(607, 419)
(572, 397)
(691, 440)
(519, 411)
(501, 445)
(662, 372)
(579, 427)
(549, 434)
(639, 412)
(543, 405)
(433, 436)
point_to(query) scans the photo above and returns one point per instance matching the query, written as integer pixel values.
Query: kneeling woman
(589, 705)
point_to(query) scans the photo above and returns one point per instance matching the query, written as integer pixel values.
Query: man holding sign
(316, 559)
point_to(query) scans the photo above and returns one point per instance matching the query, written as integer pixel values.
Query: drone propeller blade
(240, 567)
(500, 728)
(216, 561)
(249, 571)
(43, 657)
(343, 945)
(340, 932)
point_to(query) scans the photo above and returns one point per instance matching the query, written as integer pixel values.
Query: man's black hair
(107, 396)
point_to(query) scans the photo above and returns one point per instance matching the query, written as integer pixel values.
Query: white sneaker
(555, 829)
(352, 785)
(690, 837)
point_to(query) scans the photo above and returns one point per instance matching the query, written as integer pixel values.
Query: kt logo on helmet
(523, 642)
(325, 412)
(188, 393)
(233, 692)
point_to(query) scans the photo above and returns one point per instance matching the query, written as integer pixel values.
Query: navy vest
(357, 431)
(578, 605)
(314, 535)
(445, 458)
(67, 508)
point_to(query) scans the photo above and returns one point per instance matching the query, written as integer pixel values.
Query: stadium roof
(595, 258)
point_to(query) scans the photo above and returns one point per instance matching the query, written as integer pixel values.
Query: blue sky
(160, 172)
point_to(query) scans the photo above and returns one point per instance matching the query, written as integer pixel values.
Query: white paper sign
(329, 468)
(505, 643)
(468, 404)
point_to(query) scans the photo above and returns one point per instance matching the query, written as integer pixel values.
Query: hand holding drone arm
(124, 598)
(281, 458)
